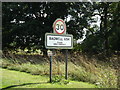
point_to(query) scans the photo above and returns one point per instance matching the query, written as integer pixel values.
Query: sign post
(50, 54)
(50, 69)
(66, 65)
(59, 40)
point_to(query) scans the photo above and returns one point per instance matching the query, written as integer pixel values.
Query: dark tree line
(24, 24)
(108, 37)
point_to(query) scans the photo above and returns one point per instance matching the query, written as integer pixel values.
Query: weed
(59, 79)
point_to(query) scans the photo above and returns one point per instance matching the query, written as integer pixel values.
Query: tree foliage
(24, 24)
(108, 36)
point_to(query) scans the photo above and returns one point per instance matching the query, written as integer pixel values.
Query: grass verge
(79, 69)
(15, 79)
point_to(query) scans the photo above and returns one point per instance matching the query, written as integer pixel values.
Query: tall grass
(80, 68)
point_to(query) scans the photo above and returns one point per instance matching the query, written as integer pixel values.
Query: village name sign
(59, 39)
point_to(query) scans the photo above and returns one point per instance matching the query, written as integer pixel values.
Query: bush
(59, 79)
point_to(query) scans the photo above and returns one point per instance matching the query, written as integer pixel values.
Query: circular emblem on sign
(59, 26)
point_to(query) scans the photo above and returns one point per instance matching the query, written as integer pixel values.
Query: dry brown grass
(82, 67)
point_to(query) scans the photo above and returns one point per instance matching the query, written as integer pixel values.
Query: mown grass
(15, 79)
(79, 69)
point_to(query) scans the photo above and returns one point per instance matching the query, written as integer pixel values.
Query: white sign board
(54, 41)
(49, 53)
(59, 26)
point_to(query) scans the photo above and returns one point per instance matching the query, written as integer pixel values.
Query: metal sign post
(59, 40)
(66, 65)
(50, 69)
(50, 54)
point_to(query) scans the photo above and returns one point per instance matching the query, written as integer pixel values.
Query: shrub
(59, 79)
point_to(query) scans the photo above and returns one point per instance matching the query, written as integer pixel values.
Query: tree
(107, 38)
(36, 18)
(25, 24)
